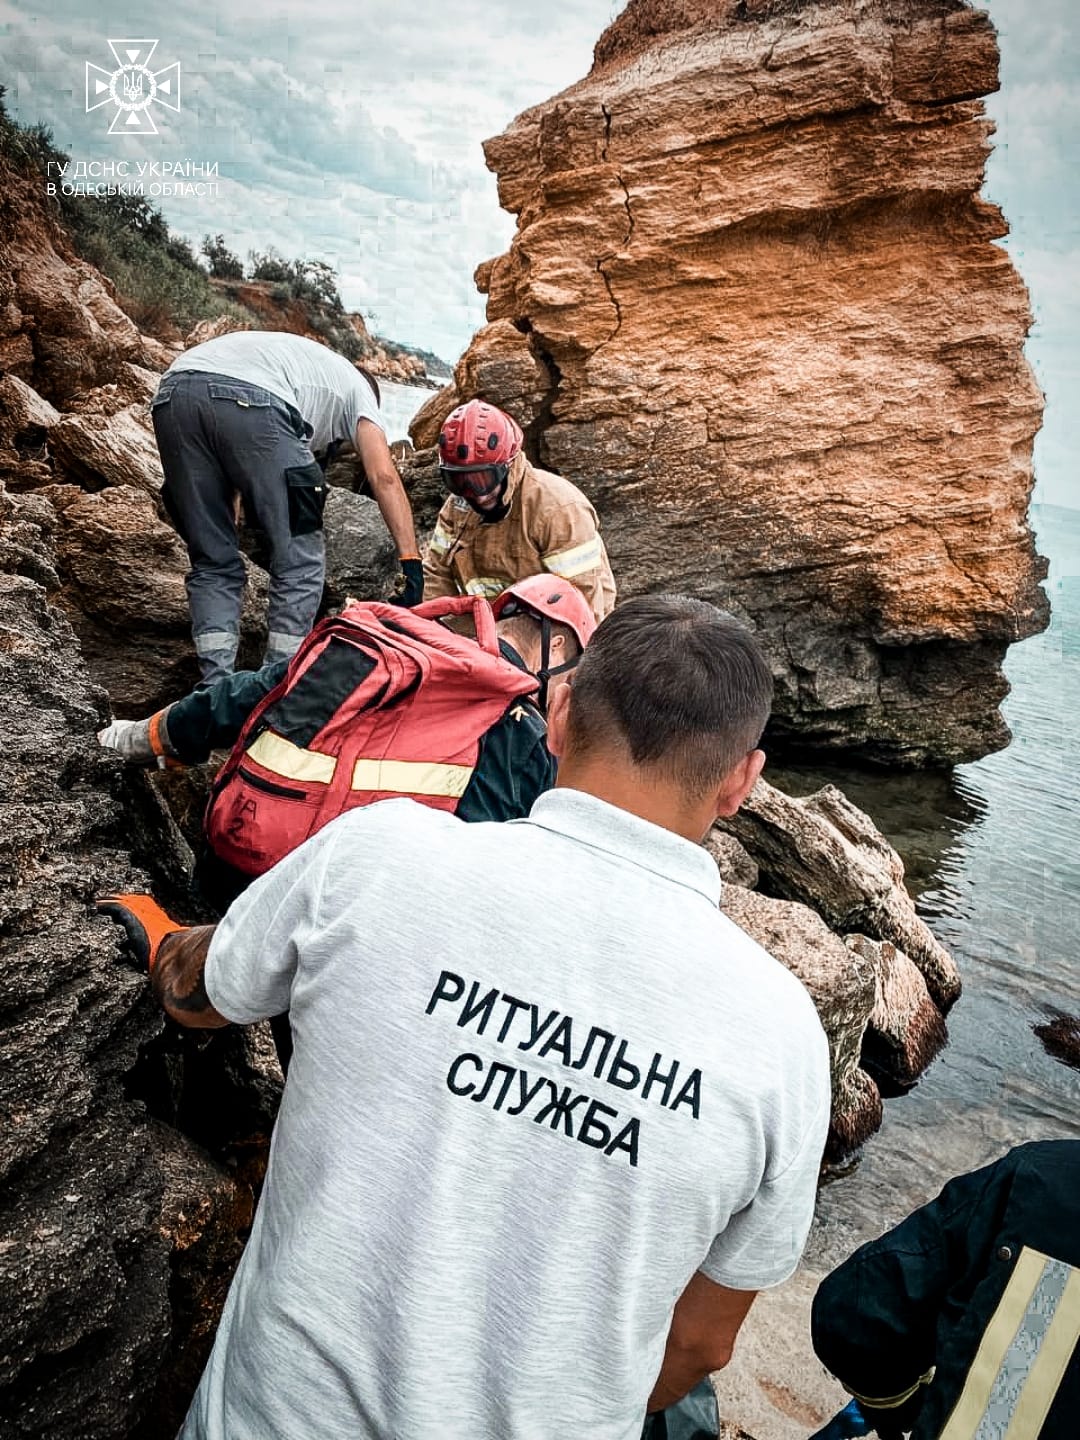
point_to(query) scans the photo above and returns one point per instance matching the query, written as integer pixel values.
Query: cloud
(357, 141)
(357, 138)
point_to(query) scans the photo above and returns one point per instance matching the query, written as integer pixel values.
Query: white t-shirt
(539, 1080)
(328, 390)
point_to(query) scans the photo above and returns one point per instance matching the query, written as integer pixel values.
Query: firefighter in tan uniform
(506, 520)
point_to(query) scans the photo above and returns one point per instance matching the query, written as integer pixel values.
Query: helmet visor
(476, 484)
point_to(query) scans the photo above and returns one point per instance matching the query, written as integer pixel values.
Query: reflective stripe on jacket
(551, 526)
(963, 1322)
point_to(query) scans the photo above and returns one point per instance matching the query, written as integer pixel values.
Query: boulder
(782, 351)
(122, 585)
(428, 421)
(25, 417)
(106, 436)
(905, 1029)
(361, 558)
(498, 366)
(841, 982)
(100, 449)
(825, 852)
(736, 866)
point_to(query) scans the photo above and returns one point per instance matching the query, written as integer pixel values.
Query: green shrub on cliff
(158, 280)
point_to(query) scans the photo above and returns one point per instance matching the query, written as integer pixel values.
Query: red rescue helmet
(548, 595)
(477, 435)
(476, 445)
(552, 601)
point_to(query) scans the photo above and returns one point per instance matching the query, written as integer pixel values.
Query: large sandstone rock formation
(754, 307)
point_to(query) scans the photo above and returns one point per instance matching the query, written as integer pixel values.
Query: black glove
(409, 590)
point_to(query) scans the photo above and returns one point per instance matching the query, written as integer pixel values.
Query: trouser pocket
(307, 498)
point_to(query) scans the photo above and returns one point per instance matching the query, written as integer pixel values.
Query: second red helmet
(478, 435)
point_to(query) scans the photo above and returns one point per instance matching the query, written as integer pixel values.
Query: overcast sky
(351, 132)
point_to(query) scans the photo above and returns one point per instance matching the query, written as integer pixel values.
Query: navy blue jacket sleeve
(875, 1319)
(212, 718)
(513, 768)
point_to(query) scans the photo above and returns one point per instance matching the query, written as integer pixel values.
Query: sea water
(993, 857)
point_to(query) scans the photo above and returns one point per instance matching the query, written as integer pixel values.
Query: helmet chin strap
(548, 672)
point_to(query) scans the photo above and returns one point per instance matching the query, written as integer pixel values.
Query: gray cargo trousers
(216, 437)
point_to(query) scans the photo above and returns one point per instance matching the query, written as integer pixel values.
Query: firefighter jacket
(551, 526)
(963, 1322)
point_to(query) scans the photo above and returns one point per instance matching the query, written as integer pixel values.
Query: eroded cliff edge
(755, 308)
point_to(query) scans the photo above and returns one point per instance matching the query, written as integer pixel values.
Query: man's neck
(628, 790)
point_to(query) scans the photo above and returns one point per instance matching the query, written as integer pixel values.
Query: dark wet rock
(101, 1208)
(1060, 1037)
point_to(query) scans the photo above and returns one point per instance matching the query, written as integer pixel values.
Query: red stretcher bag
(378, 701)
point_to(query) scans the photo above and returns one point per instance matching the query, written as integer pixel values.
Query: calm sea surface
(992, 852)
(399, 404)
(993, 856)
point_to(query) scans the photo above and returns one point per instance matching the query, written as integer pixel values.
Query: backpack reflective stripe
(377, 702)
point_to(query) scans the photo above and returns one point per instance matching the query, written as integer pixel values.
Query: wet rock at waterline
(826, 852)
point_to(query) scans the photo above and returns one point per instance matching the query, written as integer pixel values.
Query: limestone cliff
(755, 308)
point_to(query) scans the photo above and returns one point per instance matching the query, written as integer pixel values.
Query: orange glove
(144, 922)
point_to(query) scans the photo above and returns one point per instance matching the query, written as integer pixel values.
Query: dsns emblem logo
(133, 87)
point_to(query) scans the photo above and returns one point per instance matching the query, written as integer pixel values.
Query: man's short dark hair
(682, 685)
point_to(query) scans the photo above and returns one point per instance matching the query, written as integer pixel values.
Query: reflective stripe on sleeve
(575, 561)
(293, 761)
(440, 540)
(487, 585)
(411, 777)
(1022, 1355)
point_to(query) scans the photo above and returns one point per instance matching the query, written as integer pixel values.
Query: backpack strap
(483, 617)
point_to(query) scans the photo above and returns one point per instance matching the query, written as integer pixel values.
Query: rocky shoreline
(651, 328)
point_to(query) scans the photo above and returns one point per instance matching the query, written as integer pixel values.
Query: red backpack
(378, 701)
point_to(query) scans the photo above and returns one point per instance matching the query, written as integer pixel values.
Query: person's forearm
(389, 494)
(177, 978)
(704, 1325)
(680, 1372)
(213, 717)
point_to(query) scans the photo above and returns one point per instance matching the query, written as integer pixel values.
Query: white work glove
(130, 739)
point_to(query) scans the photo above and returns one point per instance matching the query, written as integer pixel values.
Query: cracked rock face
(102, 1208)
(754, 308)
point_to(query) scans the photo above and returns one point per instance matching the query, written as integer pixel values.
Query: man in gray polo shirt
(552, 1118)
(247, 414)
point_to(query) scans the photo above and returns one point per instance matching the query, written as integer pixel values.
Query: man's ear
(557, 649)
(557, 717)
(738, 782)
